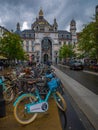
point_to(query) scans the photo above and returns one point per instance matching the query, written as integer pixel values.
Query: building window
(29, 35)
(69, 43)
(59, 43)
(41, 28)
(45, 44)
(32, 49)
(67, 36)
(32, 43)
(55, 28)
(38, 52)
(27, 48)
(24, 35)
(22, 44)
(27, 43)
(37, 28)
(74, 43)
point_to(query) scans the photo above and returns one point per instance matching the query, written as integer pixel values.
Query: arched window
(45, 44)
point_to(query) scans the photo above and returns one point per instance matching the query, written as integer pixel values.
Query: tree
(66, 51)
(11, 46)
(88, 41)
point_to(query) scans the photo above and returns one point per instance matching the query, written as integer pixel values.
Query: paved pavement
(84, 98)
(45, 121)
(49, 120)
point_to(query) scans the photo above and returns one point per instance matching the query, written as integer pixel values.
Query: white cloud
(25, 25)
(79, 25)
(25, 12)
(67, 28)
(1, 23)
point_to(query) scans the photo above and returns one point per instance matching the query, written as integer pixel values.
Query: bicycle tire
(61, 103)
(21, 106)
(8, 94)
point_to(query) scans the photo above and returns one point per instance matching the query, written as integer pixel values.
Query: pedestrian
(1, 65)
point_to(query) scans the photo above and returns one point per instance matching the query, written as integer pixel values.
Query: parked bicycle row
(30, 88)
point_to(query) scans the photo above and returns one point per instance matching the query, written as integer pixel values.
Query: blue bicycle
(27, 106)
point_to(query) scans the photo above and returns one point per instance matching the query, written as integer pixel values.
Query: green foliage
(88, 40)
(66, 51)
(11, 46)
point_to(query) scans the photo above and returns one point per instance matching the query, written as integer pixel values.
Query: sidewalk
(90, 72)
(45, 121)
(84, 98)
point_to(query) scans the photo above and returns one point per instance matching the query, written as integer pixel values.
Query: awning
(2, 57)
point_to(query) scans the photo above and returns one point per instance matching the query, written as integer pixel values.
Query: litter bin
(2, 108)
(2, 103)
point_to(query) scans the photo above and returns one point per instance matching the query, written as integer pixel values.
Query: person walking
(1, 65)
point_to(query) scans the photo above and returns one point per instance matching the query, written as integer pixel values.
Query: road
(75, 119)
(90, 81)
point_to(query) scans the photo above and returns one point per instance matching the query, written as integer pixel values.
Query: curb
(84, 98)
(90, 72)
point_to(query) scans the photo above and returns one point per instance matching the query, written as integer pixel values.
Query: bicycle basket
(49, 75)
(52, 84)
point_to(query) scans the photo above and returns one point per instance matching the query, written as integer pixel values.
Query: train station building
(43, 40)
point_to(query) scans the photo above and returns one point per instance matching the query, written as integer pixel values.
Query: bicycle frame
(39, 97)
(3, 84)
(41, 105)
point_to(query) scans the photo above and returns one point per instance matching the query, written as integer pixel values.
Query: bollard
(2, 103)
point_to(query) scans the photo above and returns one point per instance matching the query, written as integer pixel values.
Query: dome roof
(97, 9)
(97, 6)
(73, 22)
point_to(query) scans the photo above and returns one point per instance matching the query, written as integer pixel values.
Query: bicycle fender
(21, 96)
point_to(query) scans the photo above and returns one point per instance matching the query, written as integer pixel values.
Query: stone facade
(2, 31)
(43, 41)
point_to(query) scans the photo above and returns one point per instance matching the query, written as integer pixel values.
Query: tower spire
(96, 12)
(18, 26)
(55, 25)
(41, 13)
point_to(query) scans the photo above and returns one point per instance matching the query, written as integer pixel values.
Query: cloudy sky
(26, 11)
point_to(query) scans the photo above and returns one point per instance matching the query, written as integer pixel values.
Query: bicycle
(8, 93)
(10, 87)
(27, 106)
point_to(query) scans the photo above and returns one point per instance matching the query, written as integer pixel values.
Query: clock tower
(96, 12)
(73, 31)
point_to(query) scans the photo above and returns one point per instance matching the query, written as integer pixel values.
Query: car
(95, 67)
(76, 65)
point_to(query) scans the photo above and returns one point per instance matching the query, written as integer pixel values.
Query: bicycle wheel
(8, 94)
(19, 110)
(60, 101)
